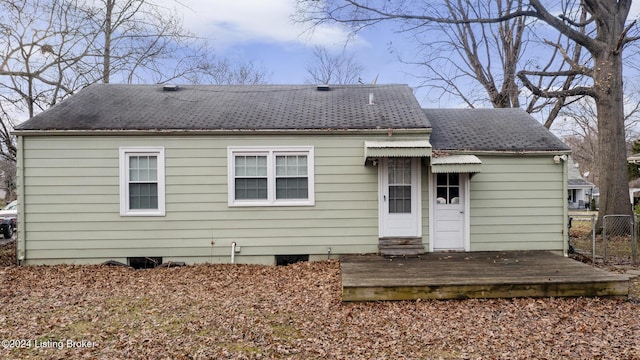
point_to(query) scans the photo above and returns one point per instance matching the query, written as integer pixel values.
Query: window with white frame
(270, 176)
(142, 181)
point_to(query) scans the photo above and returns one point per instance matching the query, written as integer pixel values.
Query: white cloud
(634, 11)
(229, 22)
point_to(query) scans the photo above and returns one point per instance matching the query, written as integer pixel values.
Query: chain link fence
(614, 244)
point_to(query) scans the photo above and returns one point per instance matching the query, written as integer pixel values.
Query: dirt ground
(266, 312)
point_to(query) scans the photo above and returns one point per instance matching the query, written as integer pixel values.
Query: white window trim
(270, 152)
(125, 153)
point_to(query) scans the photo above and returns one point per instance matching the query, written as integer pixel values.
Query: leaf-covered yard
(246, 312)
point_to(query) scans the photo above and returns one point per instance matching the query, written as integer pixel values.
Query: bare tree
(43, 53)
(145, 42)
(580, 132)
(9, 182)
(49, 49)
(140, 41)
(333, 68)
(225, 71)
(452, 54)
(598, 27)
(41, 44)
(486, 56)
(605, 41)
(8, 149)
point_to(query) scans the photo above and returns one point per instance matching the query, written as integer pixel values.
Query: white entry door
(399, 197)
(449, 212)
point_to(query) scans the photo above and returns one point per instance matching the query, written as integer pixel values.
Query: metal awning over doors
(456, 164)
(390, 149)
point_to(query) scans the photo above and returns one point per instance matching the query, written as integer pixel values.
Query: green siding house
(255, 174)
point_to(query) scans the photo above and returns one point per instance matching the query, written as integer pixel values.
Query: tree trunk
(612, 160)
(106, 56)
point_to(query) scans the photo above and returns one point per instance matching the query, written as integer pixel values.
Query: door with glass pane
(449, 212)
(399, 197)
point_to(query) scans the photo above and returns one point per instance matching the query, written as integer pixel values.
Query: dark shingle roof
(231, 107)
(292, 107)
(489, 130)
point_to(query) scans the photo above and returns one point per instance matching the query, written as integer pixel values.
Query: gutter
(102, 132)
(505, 152)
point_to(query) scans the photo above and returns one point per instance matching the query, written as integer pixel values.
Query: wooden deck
(475, 275)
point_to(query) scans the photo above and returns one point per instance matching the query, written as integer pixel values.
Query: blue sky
(261, 30)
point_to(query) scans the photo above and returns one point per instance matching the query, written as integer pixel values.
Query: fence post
(634, 221)
(604, 239)
(593, 238)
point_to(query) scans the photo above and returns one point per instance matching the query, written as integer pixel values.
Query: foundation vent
(282, 260)
(146, 262)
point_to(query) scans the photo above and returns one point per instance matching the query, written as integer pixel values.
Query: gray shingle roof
(489, 130)
(575, 183)
(292, 107)
(231, 107)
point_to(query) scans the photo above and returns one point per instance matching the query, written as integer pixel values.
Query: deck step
(400, 241)
(402, 251)
(400, 246)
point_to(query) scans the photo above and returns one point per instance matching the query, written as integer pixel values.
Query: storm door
(399, 197)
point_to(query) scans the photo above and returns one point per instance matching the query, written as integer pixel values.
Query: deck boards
(475, 275)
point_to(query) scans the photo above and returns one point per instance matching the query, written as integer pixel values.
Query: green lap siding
(70, 202)
(518, 203)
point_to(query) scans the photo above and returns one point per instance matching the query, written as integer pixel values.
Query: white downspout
(233, 252)
(565, 210)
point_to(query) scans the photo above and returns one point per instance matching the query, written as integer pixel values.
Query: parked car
(8, 219)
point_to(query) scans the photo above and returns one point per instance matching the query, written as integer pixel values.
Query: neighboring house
(595, 194)
(124, 172)
(3, 189)
(579, 190)
(634, 185)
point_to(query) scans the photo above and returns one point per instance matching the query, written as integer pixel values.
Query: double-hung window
(142, 181)
(270, 176)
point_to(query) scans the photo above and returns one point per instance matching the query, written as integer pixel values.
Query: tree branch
(623, 37)
(384, 15)
(576, 91)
